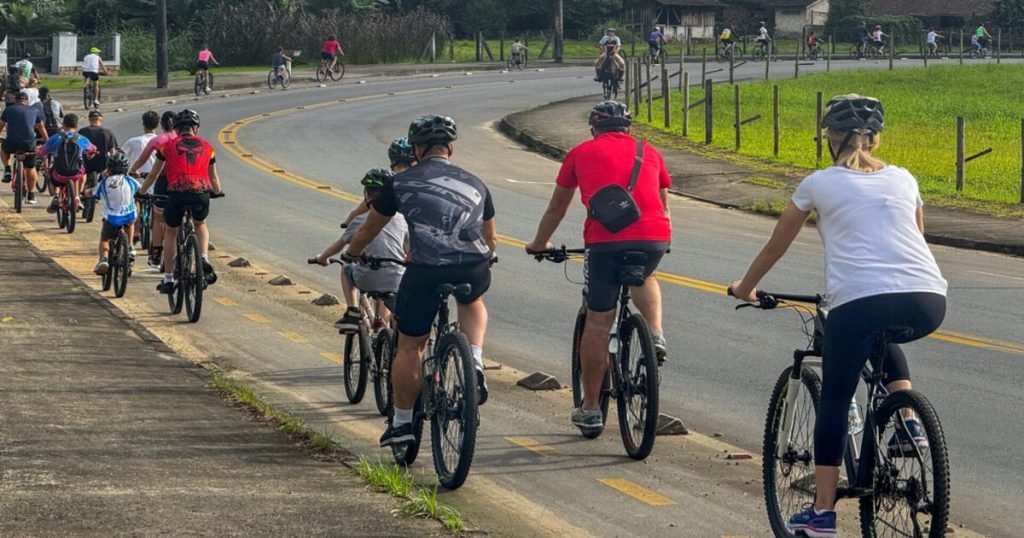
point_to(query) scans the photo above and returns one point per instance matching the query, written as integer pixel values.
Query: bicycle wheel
(108, 278)
(321, 73)
(788, 471)
(146, 234)
(911, 483)
(120, 262)
(357, 355)
(577, 376)
(19, 188)
(286, 79)
(454, 417)
(339, 71)
(637, 402)
(71, 211)
(62, 217)
(209, 83)
(42, 179)
(192, 278)
(272, 80)
(405, 455)
(87, 96)
(382, 355)
(199, 86)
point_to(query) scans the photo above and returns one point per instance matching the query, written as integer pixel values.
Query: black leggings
(851, 333)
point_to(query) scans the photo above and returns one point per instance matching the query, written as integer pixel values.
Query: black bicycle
(203, 82)
(120, 259)
(146, 211)
(763, 51)
(516, 60)
(632, 378)
(903, 486)
(449, 395)
(89, 203)
(19, 181)
(190, 278)
(42, 174)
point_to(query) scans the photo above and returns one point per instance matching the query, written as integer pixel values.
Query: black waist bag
(613, 206)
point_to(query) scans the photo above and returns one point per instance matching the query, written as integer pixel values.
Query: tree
(33, 17)
(843, 11)
(1010, 13)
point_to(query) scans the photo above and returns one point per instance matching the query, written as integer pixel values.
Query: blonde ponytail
(857, 155)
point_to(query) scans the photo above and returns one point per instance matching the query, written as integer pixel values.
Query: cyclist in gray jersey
(452, 239)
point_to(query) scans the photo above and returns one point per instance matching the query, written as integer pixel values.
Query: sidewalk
(105, 432)
(301, 76)
(555, 128)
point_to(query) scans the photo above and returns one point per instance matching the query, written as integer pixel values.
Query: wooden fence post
(665, 95)
(736, 108)
(775, 119)
(627, 75)
(767, 62)
(637, 87)
(828, 56)
(1022, 160)
(501, 47)
(999, 45)
(961, 127)
(682, 61)
(704, 63)
(709, 117)
(686, 107)
(650, 111)
(817, 128)
(796, 63)
(892, 50)
(732, 68)
(961, 47)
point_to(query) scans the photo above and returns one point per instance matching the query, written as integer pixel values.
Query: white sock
(205, 257)
(168, 277)
(478, 357)
(402, 416)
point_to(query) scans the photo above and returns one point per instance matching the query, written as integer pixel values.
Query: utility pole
(558, 32)
(161, 43)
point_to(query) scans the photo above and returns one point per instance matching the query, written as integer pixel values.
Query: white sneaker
(209, 89)
(96, 102)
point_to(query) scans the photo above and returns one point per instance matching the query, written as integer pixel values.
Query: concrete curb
(510, 127)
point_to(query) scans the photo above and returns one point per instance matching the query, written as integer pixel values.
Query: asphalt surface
(722, 363)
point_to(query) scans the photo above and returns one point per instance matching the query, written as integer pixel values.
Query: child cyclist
(117, 192)
(329, 52)
(391, 243)
(879, 274)
(402, 158)
(67, 150)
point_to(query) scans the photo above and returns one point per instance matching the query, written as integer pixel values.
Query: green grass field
(921, 110)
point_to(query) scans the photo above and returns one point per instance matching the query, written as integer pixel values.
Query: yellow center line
(637, 491)
(230, 133)
(533, 445)
(256, 318)
(333, 357)
(292, 337)
(225, 301)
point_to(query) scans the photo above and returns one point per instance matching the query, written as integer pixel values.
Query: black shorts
(109, 231)
(607, 263)
(202, 65)
(90, 75)
(11, 147)
(179, 202)
(417, 294)
(326, 56)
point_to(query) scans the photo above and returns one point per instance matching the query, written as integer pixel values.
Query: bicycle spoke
(903, 482)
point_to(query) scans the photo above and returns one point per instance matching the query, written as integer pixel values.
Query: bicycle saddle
(445, 290)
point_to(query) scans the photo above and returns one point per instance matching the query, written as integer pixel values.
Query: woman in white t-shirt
(879, 274)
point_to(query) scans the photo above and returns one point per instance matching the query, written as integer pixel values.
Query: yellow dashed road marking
(292, 337)
(333, 357)
(637, 491)
(533, 445)
(225, 301)
(256, 318)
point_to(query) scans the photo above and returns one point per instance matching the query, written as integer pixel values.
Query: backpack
(67, 161)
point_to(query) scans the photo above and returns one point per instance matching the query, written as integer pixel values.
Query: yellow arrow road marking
(637, 491)
(238, 150)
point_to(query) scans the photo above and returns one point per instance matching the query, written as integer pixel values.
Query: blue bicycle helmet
(400, 151)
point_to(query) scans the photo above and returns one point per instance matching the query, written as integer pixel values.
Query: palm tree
(33, 17)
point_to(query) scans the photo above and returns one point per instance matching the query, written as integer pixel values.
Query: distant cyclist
(26, 70)
(203, 61)
(878, 39)
(813, 47)
(984, 38)
(860, 39)
(191, 168)
(402, 157)
(607, 160)
(763, 40)
(330, 51)
(727, 38)
(879, 274)
(933, 40)
(453, 237)
(518, 50)
(610, 46)
(92, 66)
(655, 42)
(24, 124)
(279, 62)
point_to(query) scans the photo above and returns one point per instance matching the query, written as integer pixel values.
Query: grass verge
(382, 476)
(921, 110)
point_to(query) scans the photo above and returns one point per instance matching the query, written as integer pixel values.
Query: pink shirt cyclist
(331, 49)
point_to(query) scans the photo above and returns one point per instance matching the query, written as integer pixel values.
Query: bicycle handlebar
(164, 197)
(557, 255)
(769, 301)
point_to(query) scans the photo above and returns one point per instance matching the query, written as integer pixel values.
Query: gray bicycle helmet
(854, 114)
(400, 151)
(186, 118)
(427, 130)
(117, 162)
(375, 178)
(610, 115)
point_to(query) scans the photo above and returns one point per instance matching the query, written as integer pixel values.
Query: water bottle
(855, 424)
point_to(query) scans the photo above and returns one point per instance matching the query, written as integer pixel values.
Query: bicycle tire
(320, 74)
(146, 234)
(209, 83)
(643, 382)
(61, 213)
(272, 80)
(339, 71)
(89, 204)
(121, 264)
(770, 465)
(107, 279)
(87, 99)
(405, 455)
(19, 188)
(577, 380)
(195, 280)
(382, 356)
(199, 88)
(455, 404)
(938, 509)
(286, 80)
(355, 388)
(72, 208)
(42, 179)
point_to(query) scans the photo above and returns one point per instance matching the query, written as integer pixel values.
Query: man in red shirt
(606, 160)
(190, 165)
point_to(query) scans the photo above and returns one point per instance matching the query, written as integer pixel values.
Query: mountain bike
(448, 396)
(725, 52)
(204, 82)
(632, 378)
(67, 208)
(190, 280)
(609, 76)
(903, 489)
(89, 203)
(89, 93)
(121, 261)
(323, 71)
(813, 54)
(19, 182)
(42, 174)
(370, 349)
(279, 76)
(764, 50)
(516, 61)
(941, 49)
(979, 53)
(656, 56)
(146, 222)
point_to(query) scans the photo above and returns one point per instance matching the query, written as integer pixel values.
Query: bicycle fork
(792, 393)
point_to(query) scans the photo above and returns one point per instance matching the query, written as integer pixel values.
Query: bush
(138, 51)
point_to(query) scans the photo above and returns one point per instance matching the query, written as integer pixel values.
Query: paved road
(722, 364)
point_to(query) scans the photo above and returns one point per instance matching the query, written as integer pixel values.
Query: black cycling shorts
(90, 75)
(109, 231)
(11, 147)
(417, 298)
(179, 202)
(604, 264)
(202, 65)
(326, 56)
